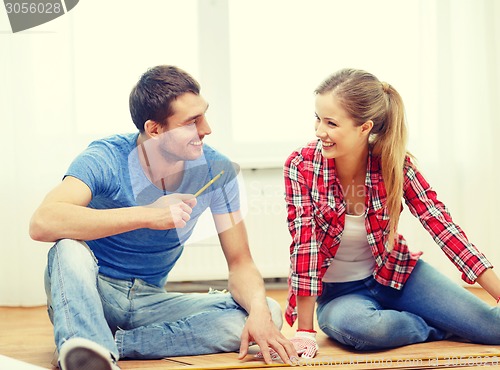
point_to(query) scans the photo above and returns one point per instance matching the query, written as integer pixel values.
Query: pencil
(208, 184)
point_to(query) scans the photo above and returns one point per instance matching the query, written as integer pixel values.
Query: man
(120, 218)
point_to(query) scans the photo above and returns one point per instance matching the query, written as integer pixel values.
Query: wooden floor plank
(433, 354)
(27, 335)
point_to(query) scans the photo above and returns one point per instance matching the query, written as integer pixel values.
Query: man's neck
(163, 173)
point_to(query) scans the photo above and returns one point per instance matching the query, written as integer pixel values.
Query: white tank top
(353, 260)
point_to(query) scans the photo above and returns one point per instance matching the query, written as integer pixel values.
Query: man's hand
(304, 343)
(260, 329)
(247, 288)
(171, 211)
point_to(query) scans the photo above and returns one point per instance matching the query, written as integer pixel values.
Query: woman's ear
(151, 128)
(366, 127)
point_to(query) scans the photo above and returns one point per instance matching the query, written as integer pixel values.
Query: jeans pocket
(113, 292)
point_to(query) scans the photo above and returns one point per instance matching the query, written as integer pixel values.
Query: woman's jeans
(133, 319)
(367, 315)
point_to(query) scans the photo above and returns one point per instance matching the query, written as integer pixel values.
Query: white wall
(265, 218)
(66, 82)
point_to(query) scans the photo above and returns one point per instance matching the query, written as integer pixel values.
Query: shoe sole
(85, 359)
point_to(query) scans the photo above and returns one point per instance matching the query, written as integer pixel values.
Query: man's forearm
(60, 221)
(247, 287)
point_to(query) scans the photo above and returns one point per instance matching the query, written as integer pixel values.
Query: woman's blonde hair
(365, 98)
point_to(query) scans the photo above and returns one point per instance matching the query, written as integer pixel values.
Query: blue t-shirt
(110, 167)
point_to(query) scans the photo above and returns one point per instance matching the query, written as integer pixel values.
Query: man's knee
(72, 247)
(276, 313)
(72, 253)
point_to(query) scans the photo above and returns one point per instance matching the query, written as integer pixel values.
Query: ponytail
(390, 145)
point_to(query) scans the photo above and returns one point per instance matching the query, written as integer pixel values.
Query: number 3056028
(33, 8)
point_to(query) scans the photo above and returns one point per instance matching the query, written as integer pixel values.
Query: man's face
(182, 136)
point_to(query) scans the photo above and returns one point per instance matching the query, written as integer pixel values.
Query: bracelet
(498, 300)
(314, 331)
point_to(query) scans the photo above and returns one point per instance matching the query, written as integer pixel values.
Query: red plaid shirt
(316, 216)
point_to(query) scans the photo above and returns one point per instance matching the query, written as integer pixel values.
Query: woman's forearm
(490, 282)
(305, 310)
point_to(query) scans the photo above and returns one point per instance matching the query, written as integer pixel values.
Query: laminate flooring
(26, 335)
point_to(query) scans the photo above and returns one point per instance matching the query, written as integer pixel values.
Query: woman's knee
(361, 331)
(361, 338)
(484, 327)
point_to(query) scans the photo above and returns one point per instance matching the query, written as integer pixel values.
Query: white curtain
(66, 82)
(63, 84)
(455, 130)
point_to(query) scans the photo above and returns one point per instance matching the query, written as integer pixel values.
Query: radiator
(264, 212)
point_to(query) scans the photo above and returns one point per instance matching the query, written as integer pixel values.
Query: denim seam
(64, 299)
(119, 342)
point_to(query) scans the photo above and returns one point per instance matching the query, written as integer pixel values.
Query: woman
(344, 195)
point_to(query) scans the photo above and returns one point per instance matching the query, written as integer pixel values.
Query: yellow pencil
(208, 184)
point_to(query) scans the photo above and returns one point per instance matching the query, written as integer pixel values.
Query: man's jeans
(368, 316)
(134, 319)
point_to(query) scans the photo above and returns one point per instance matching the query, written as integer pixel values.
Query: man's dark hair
(158, 87)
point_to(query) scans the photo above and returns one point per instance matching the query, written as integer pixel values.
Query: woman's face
(336, 129)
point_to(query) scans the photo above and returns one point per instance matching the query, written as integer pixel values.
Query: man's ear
(366, 127)
(152, 128)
